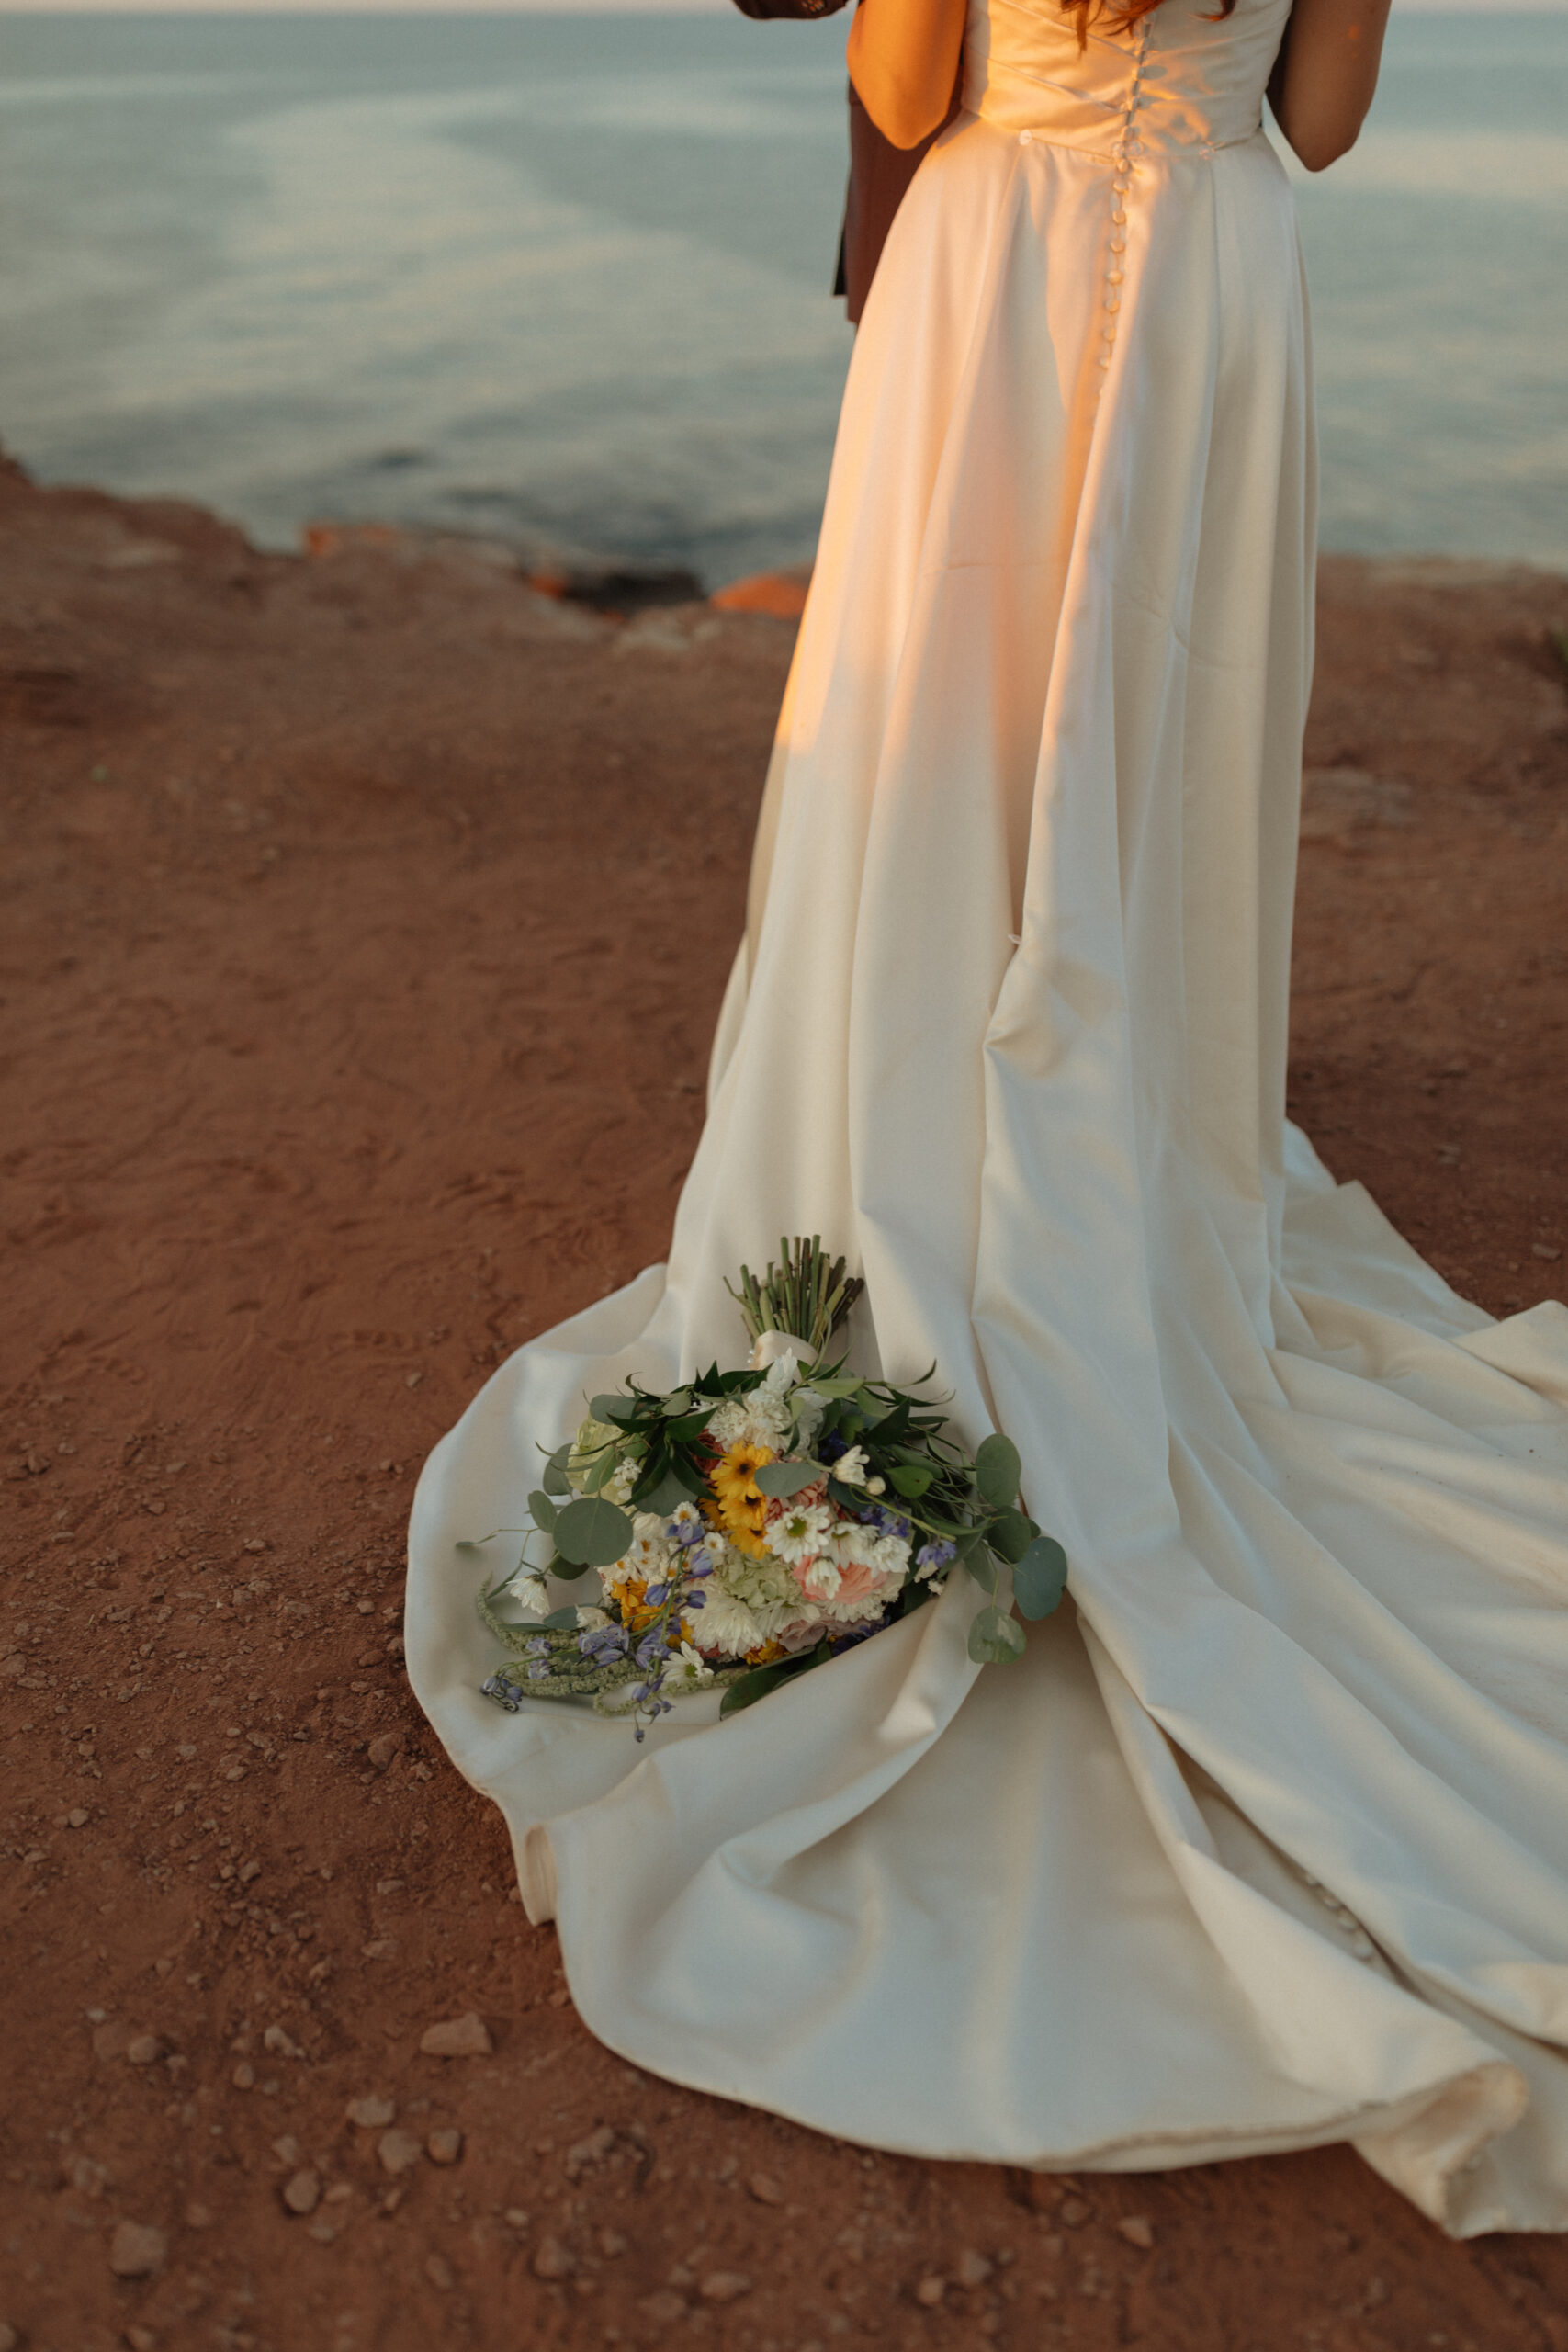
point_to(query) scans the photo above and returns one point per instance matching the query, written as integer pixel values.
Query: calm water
(564, 279)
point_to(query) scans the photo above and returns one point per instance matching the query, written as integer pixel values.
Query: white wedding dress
(1265, 1842)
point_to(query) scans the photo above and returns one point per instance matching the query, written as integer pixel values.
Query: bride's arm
(903, 55)
(1324, 76)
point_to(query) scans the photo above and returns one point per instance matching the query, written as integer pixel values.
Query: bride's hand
(903, 56)
(1324, 76)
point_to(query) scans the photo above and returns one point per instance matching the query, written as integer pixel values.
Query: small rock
(275, 2040)
(141, 2340)
(145, 2050)
(77, 1818)
(1138, 2229)
(463, 2037)
(585, 2154)
(552, 2261)
(765, 2188)
(371, 2114)
(287, 2150)
(663, 2308)
(613, 2244)
(243, 2076)
(302, 2192)
(974, 2268)
(725, 2286)
(515, 2218)
(399, 2151)
(437, 2271)
(1550, 1250)
(930, 2292)
(322, 2231)
(445, 2146)
(382, 1751)
(136, 2250)
(1074, 2212)
(248, 1870)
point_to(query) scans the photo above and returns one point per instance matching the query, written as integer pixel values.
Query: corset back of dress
(1177, 79)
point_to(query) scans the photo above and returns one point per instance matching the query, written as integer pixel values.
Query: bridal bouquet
(752, 1523)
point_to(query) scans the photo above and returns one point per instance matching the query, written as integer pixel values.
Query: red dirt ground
(365, 921)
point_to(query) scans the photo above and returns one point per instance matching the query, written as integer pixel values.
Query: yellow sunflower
(742, 1510)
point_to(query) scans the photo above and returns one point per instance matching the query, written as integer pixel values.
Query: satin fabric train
(1262, 1845)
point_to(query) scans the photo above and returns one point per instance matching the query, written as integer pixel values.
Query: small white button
(1026, 138)
(1120, 218)
(1114, 277)
(1120, 183)
(1105, 359)
(1118, 245)
(1113, 301)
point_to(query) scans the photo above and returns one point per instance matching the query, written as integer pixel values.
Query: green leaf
(911, 1478)
(997, 1470)
(592, 1534)
(619, 1411)
(1040, 1578)
(1010, 1534)
(750, 1688)
(981, 1567)
(555, 1480)
(560, 1620)
(682, 1432)
(542, 1511)
(786, 1477)
(664, 1497)
(995, 1640)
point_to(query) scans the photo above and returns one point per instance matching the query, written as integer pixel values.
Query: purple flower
(935, 1555)
(686, 1530)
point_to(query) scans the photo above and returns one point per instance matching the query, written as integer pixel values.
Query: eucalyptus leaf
(1010, 1534)
(981, 1567)
(786, 1478)
(1040, 1578)
(592, 1534)
(911, 1480)
(617, 1410)
(998, 1470)
(560, 1621)
(555, 1480)
(542, 1511)
(995, 1640)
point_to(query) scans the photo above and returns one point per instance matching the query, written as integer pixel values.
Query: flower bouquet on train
(751, 1524)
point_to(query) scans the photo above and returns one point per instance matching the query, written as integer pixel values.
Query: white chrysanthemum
(728, 1425)
(889, 1555)
(798, 1532)
(852, 1466)
(823, 1578)
(688, 1667)
(590, 1617)
(724, 1626)
(528, 1588)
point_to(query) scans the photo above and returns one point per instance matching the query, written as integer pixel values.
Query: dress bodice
(1177, 79)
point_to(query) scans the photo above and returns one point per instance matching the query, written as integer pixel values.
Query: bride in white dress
(1265, 1842)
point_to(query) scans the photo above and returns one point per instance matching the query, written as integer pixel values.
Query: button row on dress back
(1127, 148)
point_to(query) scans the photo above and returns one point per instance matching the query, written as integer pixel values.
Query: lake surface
(564, 279)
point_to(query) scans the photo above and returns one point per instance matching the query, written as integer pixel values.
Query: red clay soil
(366, 917)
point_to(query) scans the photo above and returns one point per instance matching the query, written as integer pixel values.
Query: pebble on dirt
(725, 2286)
(137, 2250)
(765, 2188)
(445, 2146)
(463, 2037)
(1138, 2229)
(371, 2114)
(399, 2151)
(552, 2260)
(302, 2192)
